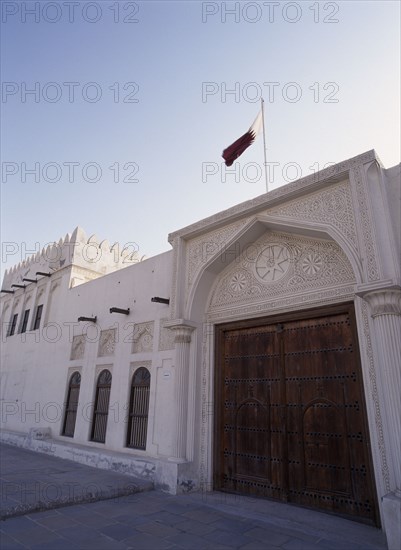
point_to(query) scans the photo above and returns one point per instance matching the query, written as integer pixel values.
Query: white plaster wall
(36, 366)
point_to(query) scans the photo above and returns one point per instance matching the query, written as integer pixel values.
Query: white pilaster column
(182, 348)
(385, 308)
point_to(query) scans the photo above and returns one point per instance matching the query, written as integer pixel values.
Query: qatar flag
(236, 149)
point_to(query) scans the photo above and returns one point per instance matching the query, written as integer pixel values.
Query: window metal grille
(101, 410)
(71, 405)
(38, 317)
(139, 409)
(25, 320)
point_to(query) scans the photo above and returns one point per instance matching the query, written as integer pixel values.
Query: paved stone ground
(32, 481)
(154, 520)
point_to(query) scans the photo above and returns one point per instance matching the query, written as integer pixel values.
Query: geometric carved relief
(280, 264)
(199, 251)
(78, 347)
(166, 336)
(107, 342)
(364, 224)
(143, 337)
(272, 263)
(332, 206)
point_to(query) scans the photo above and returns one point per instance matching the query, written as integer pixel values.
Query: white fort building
(260, 355)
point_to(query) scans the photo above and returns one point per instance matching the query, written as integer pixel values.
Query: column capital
(182, 329)
(384, 302)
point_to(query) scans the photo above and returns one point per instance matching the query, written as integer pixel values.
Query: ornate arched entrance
(281, 367)
(319, 243)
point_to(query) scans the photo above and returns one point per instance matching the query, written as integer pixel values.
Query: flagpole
(264, 141)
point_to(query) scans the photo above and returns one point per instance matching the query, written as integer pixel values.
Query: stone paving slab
(124, 523)
(31, 481)
(154, 520)
(300, 523)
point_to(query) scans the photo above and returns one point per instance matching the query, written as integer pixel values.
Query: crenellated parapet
(89, 258)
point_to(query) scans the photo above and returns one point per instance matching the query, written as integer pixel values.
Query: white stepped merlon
(96, 256)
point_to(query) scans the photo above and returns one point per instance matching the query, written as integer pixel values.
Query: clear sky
(115, 113)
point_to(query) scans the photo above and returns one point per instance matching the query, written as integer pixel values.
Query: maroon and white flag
(236, 149)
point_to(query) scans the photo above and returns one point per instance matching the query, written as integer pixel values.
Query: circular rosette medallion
(272, 263)
(311, 264)
(238, 281)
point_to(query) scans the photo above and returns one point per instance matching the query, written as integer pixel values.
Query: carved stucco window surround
(78, 347)
(142, 339)
(107, 342)
(166, 336)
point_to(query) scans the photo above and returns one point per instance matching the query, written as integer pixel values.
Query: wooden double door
(290, 413)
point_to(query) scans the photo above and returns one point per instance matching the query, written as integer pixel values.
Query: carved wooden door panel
(250, 432)
(290, 419)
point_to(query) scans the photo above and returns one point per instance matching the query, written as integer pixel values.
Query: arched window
(101, 410)
(71, 405)
(138, 409)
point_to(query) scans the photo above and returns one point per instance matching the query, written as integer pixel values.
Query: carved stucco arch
(205, 282)
(200, 290)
